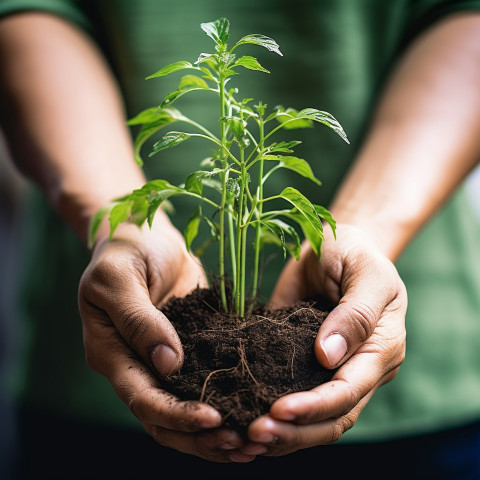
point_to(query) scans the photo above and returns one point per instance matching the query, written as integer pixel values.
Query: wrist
(78, 204)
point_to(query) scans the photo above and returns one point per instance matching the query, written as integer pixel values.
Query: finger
(370, 288)
(281, 438)
(220, 445)
(108, 354)
(117, 285)
(354, 381)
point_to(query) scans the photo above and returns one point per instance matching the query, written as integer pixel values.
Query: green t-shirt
(336, 57)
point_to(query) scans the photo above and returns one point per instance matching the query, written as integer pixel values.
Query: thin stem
(224, 178)
(274, 169)
(240, 283)
(242, 267)
(221, 144)
(233, 254)
(205, 199)
(256, 248)
(261, 146)
(200, 127)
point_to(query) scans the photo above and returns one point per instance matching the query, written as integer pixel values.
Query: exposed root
(211, 374)
(244, 363)
(260, 318)
(291, 363)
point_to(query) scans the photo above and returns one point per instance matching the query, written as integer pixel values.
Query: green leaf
(153, 120)
(172, 68)
(306, 216)
(217, 30)
(171, 139)
(325, 118)
(285, 147)
(233, 187)
(119, 214)
(191, 230)
(193, 183)
(298, 165)
(277, 233)
(148, 115)
(277, 225)
(290, 119)
(261, 40)
(251, 63)
(192, 81)
(176, 94)
(157, 191)
(322, 212)
(211, 59)
(196, 180)
(214, 228)
(139, 212)
(95, 223)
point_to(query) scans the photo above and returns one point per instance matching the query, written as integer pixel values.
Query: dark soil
(241, 366)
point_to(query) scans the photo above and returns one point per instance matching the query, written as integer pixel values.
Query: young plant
(232, 182)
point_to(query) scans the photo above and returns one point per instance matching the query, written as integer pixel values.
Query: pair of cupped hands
(126, 336)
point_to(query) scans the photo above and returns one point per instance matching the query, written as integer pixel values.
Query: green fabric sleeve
(67, 9)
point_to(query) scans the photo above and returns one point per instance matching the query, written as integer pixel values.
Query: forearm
(424, 138)
(63, 116)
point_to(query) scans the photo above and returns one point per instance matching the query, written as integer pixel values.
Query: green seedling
(232, 181)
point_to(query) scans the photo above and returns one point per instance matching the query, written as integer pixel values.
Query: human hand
(364, 335)
(127, 337)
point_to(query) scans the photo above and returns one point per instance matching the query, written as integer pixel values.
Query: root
(210, 375)
(260, 318)
(291, 363)
(284, 320)
(244, 363)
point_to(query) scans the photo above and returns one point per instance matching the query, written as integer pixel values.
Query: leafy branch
(243, 162)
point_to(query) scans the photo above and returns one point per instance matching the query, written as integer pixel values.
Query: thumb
(352, 322)
(144, 328)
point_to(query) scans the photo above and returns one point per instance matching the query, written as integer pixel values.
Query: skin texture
(418, 154)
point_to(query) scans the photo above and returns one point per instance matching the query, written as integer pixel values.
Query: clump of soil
(241, 366)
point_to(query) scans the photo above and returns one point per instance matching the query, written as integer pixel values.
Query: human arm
(63, 116)
(422, 143)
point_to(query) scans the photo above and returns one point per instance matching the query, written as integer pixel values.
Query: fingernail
(335, 348)
(265, 438)
(229, 446)
(254, 449)
(164, 359)
(240, 457)
(213, 422)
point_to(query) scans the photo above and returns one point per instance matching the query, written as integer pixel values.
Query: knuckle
(335, 433)
(133, 325)
(393, 351)
(347, 422)
(363, 319)
(340, 426)
(160, 435)
(353, 394)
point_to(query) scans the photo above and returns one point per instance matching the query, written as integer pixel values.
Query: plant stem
(224, 178)
(233, 254)
(256, 248)
(241, 228)
(242, 271)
